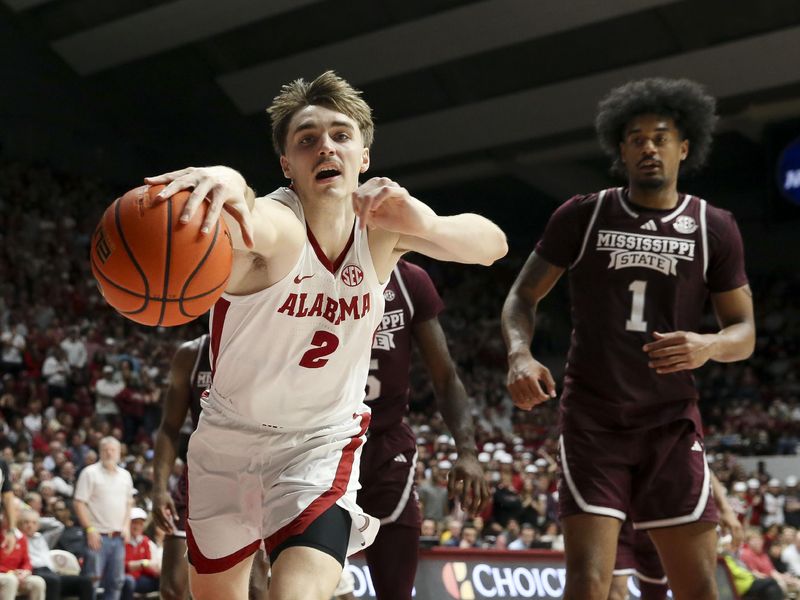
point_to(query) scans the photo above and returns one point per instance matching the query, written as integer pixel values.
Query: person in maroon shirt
(642, 262)
(390, 454)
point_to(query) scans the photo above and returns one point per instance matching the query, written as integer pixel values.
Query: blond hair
(328, 90)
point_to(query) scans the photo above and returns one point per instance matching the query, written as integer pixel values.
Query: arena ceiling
(463, 90)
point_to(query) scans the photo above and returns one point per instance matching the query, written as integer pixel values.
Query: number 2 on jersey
(325, 343)
(637, 322)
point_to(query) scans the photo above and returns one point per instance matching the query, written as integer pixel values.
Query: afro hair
(685, 101)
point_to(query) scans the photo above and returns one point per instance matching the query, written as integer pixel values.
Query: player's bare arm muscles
(736, 339)
(174, 410)
(411, 225)
(683, 350)
(221, 187)
(278, 237)
(526, 376)
(466, 477)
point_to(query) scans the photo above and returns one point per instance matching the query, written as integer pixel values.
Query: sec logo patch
(388, 295)
(352, 275)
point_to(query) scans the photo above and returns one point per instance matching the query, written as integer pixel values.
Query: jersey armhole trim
(402, 285)
(704, 238)
(588, 232)
(198, 356)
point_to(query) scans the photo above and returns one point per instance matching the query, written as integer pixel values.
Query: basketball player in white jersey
(275, 456)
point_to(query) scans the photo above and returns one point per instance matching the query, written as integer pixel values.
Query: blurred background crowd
(73, 372)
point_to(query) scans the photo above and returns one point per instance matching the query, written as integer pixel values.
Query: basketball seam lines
(153, 298)
(197, 268)
(118, 223)
(167, 260)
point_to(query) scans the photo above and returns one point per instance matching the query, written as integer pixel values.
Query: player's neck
(331, 220)
(663, 198)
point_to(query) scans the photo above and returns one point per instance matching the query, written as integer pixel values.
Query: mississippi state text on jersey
(410, 298)
(634, 271)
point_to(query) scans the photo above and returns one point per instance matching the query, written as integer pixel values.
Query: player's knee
(699, 587)
(590, 583)
(619, 589)
(173, 590)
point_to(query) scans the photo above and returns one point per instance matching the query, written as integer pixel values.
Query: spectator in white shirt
(791, 556)
(42, 563)
(525, 539)
(774, 501)
(106, 389)
(75, 349)
(12, 345)
(103, 500)
(55, 371)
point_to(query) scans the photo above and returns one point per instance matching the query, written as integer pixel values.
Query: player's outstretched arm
(465, 479)
(257, 225)
(529, 382)
(176, 406)
(681, 350)
(466, 238)
(222, 187)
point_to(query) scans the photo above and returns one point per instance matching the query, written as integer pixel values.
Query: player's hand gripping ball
(152, 268)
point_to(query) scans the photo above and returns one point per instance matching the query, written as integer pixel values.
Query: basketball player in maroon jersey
(189, 376)
(642, 262)
(637, 555)
(389, 457)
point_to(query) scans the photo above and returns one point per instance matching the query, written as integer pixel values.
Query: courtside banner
(492, 575)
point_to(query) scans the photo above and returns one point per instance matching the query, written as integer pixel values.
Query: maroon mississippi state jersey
(201, 377)
(634, 271)
(410, 298)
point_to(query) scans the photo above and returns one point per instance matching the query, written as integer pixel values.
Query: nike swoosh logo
(298, 279)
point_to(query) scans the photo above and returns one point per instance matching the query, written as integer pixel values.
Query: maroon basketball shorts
(637, 555)
(387, 489)
(657, 477)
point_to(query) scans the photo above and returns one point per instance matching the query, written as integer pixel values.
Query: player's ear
(684, 149)
(621, 153)
(287, 172)
(364, 161)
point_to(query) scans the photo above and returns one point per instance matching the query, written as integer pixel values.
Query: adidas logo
(400, 458)
(696, 447)
(650, 225)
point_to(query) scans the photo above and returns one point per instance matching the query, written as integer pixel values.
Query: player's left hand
(679, 351)
(381, 202)
(728, 522)
(466, 483)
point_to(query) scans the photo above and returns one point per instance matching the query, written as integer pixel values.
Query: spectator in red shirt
(18, 562)
(141, 575)
(757, 560)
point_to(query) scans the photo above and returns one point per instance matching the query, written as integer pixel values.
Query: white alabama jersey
(296, 355)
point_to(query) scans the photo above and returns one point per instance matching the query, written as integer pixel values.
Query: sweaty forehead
(319, 116)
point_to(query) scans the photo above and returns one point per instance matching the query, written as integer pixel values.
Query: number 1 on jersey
(637, 322)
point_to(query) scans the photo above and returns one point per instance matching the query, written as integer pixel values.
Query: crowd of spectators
(74, 372)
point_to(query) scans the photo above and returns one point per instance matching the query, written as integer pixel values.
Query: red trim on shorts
(331, 266)
(204, 565)
(207, 566)
(217, 321)
(328, 498)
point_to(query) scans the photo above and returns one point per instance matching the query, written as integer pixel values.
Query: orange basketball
(153, 269)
